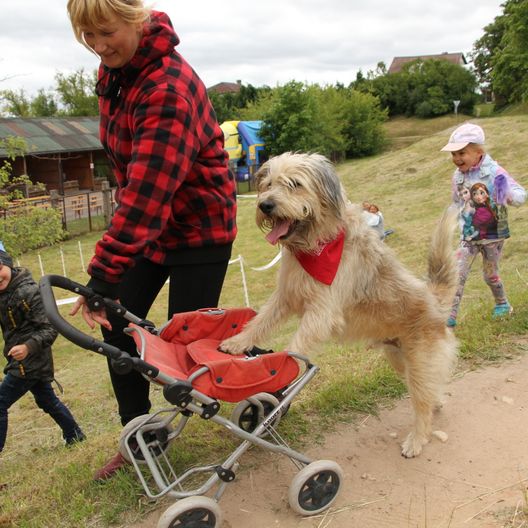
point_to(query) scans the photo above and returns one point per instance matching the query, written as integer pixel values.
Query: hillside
(44, 484)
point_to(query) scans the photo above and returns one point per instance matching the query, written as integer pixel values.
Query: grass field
(43, 484)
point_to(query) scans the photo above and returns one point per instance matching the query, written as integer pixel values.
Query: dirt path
(477, 478)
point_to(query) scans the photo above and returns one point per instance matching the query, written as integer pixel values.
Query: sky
(259, 42)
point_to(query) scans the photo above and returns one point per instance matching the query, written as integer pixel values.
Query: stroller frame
(144, 440)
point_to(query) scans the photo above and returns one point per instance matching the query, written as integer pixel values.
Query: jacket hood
(159, 39)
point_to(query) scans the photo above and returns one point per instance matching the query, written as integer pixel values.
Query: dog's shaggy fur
(373, 296)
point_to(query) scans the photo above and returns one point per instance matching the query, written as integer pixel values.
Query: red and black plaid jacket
(161, 135)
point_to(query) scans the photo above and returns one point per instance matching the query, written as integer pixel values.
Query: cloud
(264, 43)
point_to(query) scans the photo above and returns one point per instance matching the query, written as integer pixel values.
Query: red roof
(225, 87)
(455, 58)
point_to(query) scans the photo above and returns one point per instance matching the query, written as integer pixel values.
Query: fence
(81, 211)
(62, 258)
(86, 211)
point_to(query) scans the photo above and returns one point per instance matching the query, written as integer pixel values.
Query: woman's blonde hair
(95, 13)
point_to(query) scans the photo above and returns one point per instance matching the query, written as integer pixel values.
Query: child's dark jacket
(23, 321)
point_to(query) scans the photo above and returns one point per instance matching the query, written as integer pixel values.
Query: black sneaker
(78, 437)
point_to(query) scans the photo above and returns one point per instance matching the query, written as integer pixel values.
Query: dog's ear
(331, 190)
(261, 174)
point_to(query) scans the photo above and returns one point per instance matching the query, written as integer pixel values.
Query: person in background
(176, 200)
(28, 336)
(492, 190)
(378, 226)
(374, 218)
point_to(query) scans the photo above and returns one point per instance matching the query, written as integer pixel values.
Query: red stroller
(183, 357)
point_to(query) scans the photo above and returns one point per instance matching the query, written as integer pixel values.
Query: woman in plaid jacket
(176, 213)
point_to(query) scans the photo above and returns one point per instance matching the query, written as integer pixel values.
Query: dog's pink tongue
(279, 229)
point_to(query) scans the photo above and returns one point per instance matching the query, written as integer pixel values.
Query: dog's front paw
(235, 345)
(412, 446)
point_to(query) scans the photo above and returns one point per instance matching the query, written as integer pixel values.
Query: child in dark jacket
(28, 336)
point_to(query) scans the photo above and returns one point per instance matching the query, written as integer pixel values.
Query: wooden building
(64, 154)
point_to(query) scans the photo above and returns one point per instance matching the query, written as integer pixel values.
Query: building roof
(53, 135)
(455, 58)
(225, 87)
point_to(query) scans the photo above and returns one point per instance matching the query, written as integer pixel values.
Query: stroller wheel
(315, 487)
(192, 512)
(250, 413)
(155, 436)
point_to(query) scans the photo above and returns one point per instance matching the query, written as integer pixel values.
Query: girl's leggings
(491, 254)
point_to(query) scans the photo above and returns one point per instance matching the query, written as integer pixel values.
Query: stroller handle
(122, 362)
(63, 327)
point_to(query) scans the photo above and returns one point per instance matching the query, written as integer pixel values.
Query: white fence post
(40, 264)
(244, 283)
(63, 263)
(81, 254)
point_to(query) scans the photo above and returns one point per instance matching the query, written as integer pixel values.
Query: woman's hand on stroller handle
(91, 317)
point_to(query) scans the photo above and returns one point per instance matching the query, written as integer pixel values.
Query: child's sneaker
(78, 436)
(451, 322)
(502, 310)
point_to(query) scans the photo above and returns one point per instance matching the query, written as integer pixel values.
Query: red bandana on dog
(322, 265)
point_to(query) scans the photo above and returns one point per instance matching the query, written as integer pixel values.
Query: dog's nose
(267, 206)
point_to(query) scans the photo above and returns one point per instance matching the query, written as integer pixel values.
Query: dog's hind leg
(394, 355)
(422, 385)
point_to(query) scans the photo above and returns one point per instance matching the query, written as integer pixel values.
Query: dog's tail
(442, 265)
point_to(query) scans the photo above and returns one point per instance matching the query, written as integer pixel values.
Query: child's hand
(19, 352)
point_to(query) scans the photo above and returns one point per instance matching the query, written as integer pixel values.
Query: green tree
(76, 93)
(485, 49)
(509, 74)
(363, 130)
(43, 104)
(291, 121)
(500, 56)
(329, 138)
(15, 103)
(19, 104)
(230, 106)
(349, 123)
(332, 120)
(254, 110)
(424, 88)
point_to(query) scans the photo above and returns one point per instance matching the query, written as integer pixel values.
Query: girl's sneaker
(451, 322)
(502, 310)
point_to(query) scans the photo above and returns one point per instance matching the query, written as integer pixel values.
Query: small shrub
(31, 229)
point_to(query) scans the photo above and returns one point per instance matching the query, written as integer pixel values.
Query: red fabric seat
(190, 341)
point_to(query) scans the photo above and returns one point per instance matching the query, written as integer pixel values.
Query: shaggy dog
(345, 283)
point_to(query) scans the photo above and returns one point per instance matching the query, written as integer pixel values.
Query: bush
(30, 229)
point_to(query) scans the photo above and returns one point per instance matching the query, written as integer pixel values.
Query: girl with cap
(477, 170)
